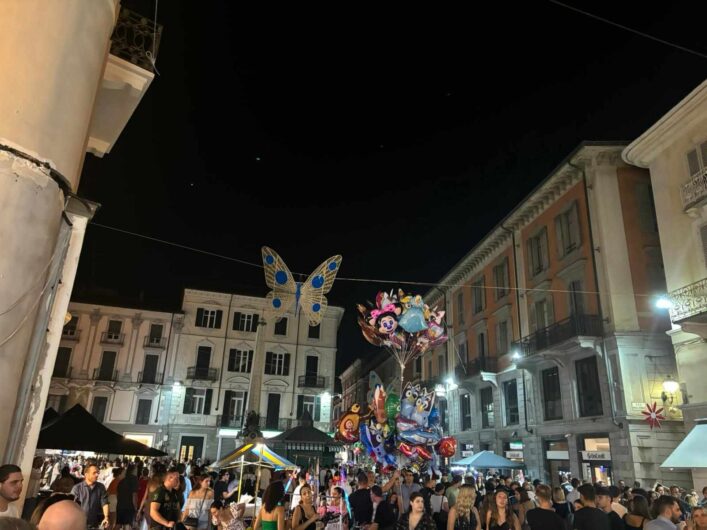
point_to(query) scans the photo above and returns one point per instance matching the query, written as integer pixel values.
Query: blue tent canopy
(488, 460)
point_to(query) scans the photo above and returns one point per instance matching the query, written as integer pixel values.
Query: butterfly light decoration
(287, 294)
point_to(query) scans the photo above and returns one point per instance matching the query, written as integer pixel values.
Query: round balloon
(447, 447)
(392, 406)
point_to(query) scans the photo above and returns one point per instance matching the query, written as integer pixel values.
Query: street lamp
(670, 387)
(664, 303)
(451, 385)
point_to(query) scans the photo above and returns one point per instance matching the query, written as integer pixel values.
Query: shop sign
(515, 446)
(558, 455)
(596, 455)
(514, 454)
(467, 449)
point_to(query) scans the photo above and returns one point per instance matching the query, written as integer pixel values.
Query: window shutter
(243, 411)
(693, 162)
(531, 258)
(250, 361)
(317, 407)
(189, 401)
(207, 402)
(237, 321)
(576, 226)
(286, 365)
(543, 250)
(254, 326)
(300, 406)
(219, 314)
(227, 403)
(558, 236)
(232, 361)
(199, 317)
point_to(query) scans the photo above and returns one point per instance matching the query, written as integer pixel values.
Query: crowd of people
(140, 494)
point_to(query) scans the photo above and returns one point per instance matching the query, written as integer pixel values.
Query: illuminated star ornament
(653, 415)
(287, 294)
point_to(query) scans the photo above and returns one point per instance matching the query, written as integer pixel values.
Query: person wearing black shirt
(603, 498)
(544, 517)
(428, 489)
(165, 505)
(361, 503)
(384, 517)
(590, 517)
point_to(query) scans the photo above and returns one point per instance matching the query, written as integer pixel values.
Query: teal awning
(690, 453)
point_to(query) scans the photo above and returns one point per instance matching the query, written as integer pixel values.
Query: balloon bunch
(403, 324)
(395, 432)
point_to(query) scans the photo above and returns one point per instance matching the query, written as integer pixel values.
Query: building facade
(184, 381)
(555, 346)
(675, 152)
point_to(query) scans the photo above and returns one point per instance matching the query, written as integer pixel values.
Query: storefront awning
(690, 453)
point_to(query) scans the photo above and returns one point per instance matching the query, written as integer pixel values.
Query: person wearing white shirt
(10, 490)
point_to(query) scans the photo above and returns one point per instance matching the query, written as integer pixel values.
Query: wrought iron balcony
(136, 39)
(574, 326)
(689, 303)
(311, 381)
(108, 337)
(70, 334)
(159, 343)
(64, 374)
(476, 366)
(231, 422)
(150, 378)
(202, 374)
(105, 375)
(694, 190)
(277, 424)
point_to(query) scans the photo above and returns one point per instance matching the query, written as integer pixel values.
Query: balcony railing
(65, 373)
(150, 378)
(231, 422)
(105, 375)
(202, 374)
(155, 342)
(70, 334)
(278, 424)
(694, 190)
(108, 337)
(689, 302)
(574, 326)
(135, 39)
(476, 366)
(311, 381)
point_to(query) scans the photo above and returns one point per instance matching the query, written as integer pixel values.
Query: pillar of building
(53, 54)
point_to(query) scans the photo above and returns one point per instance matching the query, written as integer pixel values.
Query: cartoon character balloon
(347, 428)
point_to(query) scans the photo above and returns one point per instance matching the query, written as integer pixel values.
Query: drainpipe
(607, 364)
(520, 332)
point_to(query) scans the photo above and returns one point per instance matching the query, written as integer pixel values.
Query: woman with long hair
(698, 518)
(198, 503)
(523, 503)
(305, 516)
(638, 513)
(416, 518)
(561, 505)
(500, 516)
(272, 514)
(463, 515)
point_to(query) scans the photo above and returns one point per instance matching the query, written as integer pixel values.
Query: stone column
(53, 60)
(133, 345)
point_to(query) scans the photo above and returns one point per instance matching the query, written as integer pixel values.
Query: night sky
(395, 140)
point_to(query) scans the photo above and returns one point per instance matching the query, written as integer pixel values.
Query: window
(197, 401)
(309, 404)
(462, 348)
(543, 314)
(208, 318)
(487, 419)
(114, 329)
(481, 344)
(418, 366)
(313, 332)
(234, 408)
(460, 306)
(478, 295)
(277, 363)
(281, 326)
(61, 366)
(57, 402)
(510, 394)
(567, 231)
(70, 327)
(98, 408)
(240, 360)
(537, 253)
(576, 298)
(156, 333)
(697, 160)
(502, 338)
(501, 280)
(144, 406)
(465, 403)
(588, 389)
(245, 322)
(551, 394)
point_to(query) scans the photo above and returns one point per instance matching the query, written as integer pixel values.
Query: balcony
(277, 424)
(109, 337)
(204, 420)
(149, 378)
(476, 366)
(694, 190)
(689, 303)
(105, 375)
(202, 374)
(231, 422)
(159, 343)
(559, 332)
(311, 381)
(70, 334)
